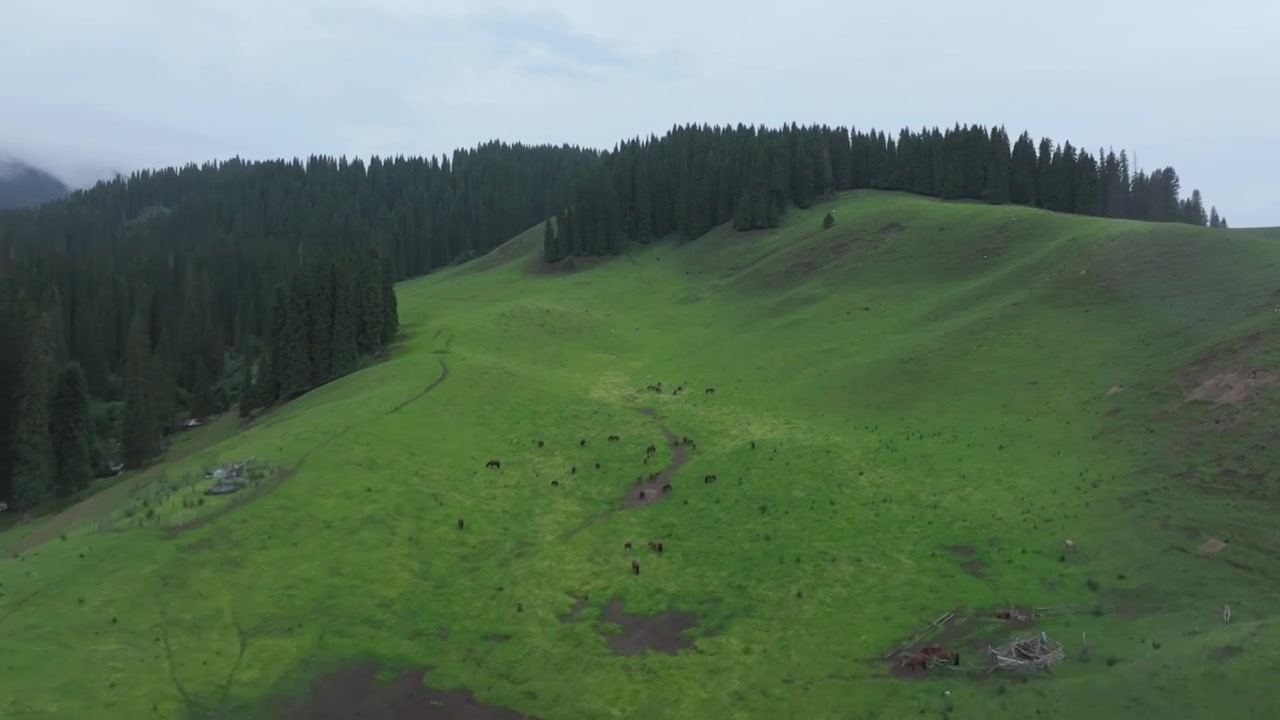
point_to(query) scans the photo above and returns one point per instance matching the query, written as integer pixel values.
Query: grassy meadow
(939, 395)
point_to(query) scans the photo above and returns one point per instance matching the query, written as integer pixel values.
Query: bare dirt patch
(961, 550)
(355, 692)
(1212, 545)
(891, 228)
(664, 632)
(1113, 412)
(650, 491)
(976, 568)
(1231, 388)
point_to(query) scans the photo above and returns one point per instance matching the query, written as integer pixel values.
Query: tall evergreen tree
(140, 434)
(33, 460)
(998, 174)
(71, 432)
(390, 312)
(1214, 222)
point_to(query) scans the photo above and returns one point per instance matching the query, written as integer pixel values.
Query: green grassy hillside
(913, 411)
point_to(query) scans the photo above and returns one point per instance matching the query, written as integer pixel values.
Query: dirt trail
(355, 692)
(444, 373)
(649, 491)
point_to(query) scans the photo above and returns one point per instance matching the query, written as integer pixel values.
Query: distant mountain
(22, 185)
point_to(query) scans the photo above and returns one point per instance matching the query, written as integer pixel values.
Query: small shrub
(828, 221)
(1112, 661)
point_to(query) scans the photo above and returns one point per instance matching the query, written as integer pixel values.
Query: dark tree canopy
(696, 177)
(184, 291)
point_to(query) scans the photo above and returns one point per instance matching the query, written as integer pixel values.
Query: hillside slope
(912, 411)
(24, 186)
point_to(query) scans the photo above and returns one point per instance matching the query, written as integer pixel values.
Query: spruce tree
(294, 362)
(33, 460)
(319, 294)
(71, 432)
(390, 312)
(550, 246)
(248, 394)
(140, 433)
(644, 203)
(1214, 222)
(998, 170)
(742, 212)
(346, 353)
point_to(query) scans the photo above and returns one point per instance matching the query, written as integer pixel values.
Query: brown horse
(916, 662)
(493, 464)
(635, 567)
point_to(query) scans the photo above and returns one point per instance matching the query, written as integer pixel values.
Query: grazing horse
(460, 523)
(635, 567)
(493, 464)
(614, 438)
(597, 464)
(1226, 613)
(655, 545)
(1071, 547)
(710, 478)
(711, 391)
(651, 449)
(582, 442)
(626, 546)
(573, 469)
(555, 483)
(666, 488)
(540, 443)
(753, 444)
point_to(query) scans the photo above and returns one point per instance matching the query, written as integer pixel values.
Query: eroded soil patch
(355, 692)
(650, 491)
(665, 632)
(1231, 388)
(1212, 545)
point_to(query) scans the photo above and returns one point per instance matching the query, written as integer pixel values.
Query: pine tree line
(697, 177)
(164, 286)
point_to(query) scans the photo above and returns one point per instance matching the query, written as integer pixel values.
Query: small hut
(1027, 655)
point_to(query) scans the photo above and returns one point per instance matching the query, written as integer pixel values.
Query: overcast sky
(92, 85)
